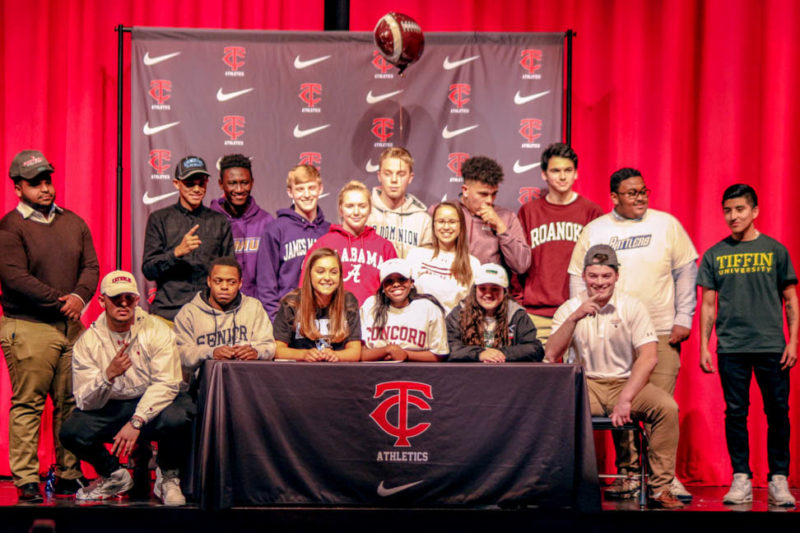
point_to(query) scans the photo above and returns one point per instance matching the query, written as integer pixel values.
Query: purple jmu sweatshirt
(284, 246)
(247, 230)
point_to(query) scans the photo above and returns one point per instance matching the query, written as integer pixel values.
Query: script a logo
(233, 126)
(232, 56)
(379, 62)
(402, 399)
(528, 128)
(454, 161)
(382, 128)
(531, 60)
(159, 160)
(309, 93)
(310, 158)
(159, 90)
(458, 94)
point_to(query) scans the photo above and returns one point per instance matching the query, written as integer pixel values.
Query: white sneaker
(679, 491)
(779, 492)
(741, 490)
(102, 488)
(167, 488)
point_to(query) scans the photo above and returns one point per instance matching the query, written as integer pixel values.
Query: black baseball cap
(601, 254)
(189, 166)
(28, 164)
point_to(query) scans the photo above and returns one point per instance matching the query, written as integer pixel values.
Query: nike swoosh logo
(299, 64)
(150, 61)
(447, 134)
(323, 195)
(519, 169)
(519, 99)
(450, 65)
(298, 133)
(383, 491)
(373, 99)
(150, 200)
(147, 130)
(371, 168)
(222, 97)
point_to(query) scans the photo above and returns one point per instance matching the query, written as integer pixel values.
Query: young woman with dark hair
(489, 326)
(399, 324)
(319, 321)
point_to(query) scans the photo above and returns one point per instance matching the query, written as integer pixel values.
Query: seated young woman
(446, 270)
(360, 247)
(319, 321)
(489, 326)
(399, 324)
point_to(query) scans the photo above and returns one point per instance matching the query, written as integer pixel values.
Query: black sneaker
(30, 493)
(68, 487)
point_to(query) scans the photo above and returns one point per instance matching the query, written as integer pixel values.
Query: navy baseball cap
(189, 166)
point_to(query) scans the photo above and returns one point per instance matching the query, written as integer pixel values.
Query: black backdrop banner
(329, 99)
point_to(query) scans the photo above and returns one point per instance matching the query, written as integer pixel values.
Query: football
(399, 39)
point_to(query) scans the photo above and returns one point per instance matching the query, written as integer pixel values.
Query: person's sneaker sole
(731, 501)
(771, 501)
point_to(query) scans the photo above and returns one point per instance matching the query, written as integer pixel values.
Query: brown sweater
(41, 262)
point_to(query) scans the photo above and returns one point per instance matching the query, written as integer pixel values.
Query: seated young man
(611, 333)
(126, 376)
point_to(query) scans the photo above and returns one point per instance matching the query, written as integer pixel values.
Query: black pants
(86, 432)
(735, 371)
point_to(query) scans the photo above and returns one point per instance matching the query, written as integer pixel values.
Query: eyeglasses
(126, 297)
(444, 222)
(633, 195)
(399, 280)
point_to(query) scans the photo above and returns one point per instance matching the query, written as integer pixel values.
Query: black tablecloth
(410, 434)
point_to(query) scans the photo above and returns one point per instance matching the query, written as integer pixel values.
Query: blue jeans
(735, 371)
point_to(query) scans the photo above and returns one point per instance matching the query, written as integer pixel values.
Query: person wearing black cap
(181, 241)
(611, 334)
(48, 273)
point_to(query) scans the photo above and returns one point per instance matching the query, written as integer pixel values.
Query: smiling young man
(747, 283)
(611, 334)
(246, 218)
(287, 240)
(127, 375)
(222, 322)
(552, 225)
(396, 215)
(495, 234)
(658, 268)
(181, 241)
(48, 273)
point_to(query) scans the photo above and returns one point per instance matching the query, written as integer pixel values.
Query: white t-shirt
(432, 275)
(605, 343)
(417, 326)
(648, 251)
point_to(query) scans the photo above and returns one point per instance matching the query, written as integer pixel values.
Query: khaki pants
(544, 324)
(664, 376)
(39, 359)
(659, 412)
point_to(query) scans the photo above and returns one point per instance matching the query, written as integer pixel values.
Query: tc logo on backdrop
(526, 194)
(382, 65)
(233, 56)
(531, 61)
(454, 162)
(159, 160)
(404, 395)
(310, 95)
(160, 91)
(233, 126)
(383, 129)
(458, 95)
(310, 158)
(530, 129)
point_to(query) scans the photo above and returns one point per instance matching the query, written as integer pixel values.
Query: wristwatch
(137, 422)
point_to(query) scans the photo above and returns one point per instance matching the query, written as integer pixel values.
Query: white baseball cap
(492, 273)
(395, 266)
(118, 282)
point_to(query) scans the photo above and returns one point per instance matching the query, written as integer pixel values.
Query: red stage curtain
(697, 95)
